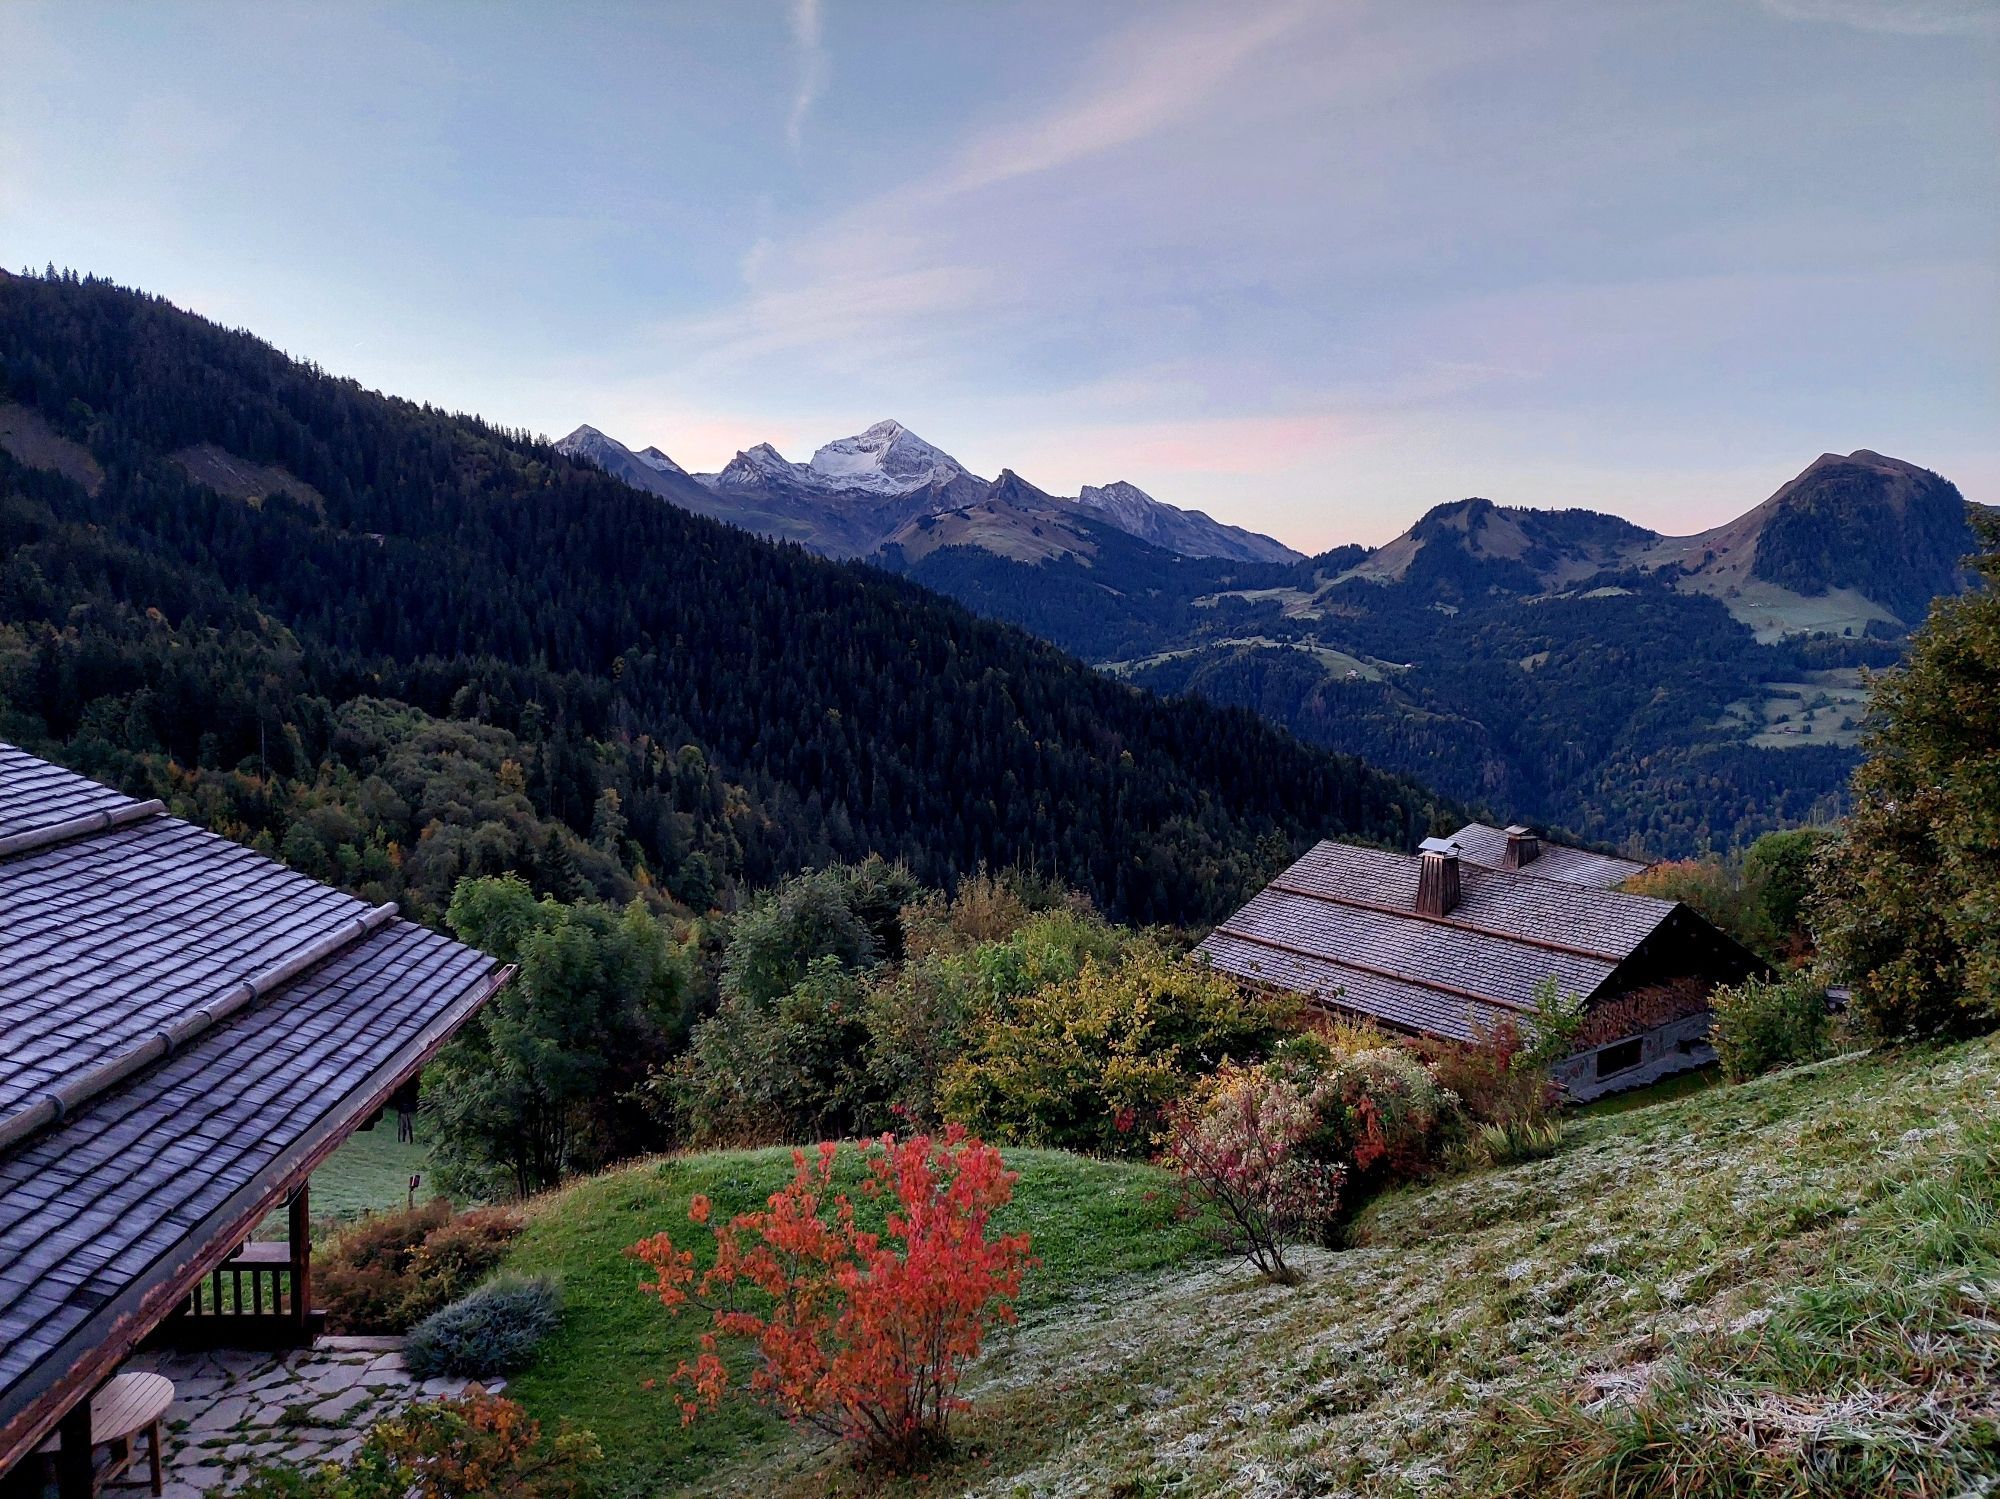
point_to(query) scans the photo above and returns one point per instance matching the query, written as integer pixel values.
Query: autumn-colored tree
(1238, 1152)
(1908, 908)
(859, 1335)
(1714, 891)
(1094, 1060)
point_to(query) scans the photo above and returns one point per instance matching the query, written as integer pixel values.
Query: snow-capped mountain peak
(888, 458)
(586, 440)
(858, 490)
(754, 466)
(1117, 496)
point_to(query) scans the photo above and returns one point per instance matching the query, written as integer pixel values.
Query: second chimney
(1523, 847)
(1437, 877)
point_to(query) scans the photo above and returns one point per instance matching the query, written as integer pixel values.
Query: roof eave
(32, 1409)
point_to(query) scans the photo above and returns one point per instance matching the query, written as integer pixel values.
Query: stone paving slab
(234, 1411)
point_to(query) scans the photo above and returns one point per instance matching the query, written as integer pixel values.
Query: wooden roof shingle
(111, 938)
(209, 1024)
(37, 798)
(1482, 844)
(1341, 925)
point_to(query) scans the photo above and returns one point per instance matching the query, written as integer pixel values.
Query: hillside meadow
(1786, 1287)
(1094, 1223)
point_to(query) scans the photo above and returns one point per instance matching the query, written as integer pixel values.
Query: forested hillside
(399, 645)
(1674, 694)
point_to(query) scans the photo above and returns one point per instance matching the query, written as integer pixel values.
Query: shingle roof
(112, 936)
(36, 796)
(1486, 846)
(1341, 924)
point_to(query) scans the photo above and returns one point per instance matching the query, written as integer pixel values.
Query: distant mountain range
(1854, 545)
(1673, 693)
(886, 490)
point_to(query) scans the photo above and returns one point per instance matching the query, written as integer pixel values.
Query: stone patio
(234, 1411)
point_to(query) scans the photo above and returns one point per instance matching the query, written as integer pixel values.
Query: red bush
(862, 1336)
(1491, 1087)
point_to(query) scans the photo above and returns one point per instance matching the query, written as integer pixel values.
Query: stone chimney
(1437, 877)
(1523, 847)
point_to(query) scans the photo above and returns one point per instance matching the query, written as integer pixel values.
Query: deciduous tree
(863, 1336)
(1909, 906)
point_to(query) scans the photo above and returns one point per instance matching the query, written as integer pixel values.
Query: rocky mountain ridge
(859, 496)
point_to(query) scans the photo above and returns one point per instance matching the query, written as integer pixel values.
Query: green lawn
(369, 1172)
(1090, 1222)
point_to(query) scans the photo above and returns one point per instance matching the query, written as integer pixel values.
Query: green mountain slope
(1677, 694)
(440, 645)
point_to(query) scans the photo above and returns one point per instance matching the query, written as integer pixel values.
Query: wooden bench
(127, 1405)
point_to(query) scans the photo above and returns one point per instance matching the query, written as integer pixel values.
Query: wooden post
(301, 1235)
(76, 1476)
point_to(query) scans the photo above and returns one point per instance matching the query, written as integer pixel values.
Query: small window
(1620, 1058)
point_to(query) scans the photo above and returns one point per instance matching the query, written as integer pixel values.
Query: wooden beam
(76, 1474)
(302, 1253)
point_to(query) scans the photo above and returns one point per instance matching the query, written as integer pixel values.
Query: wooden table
(127, 1405)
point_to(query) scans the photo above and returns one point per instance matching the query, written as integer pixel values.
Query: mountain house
(186, 1030)
(1454, 940)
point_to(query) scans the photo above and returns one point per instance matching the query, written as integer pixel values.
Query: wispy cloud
(880, 277)
(867, 313)
(1904, 17)
(1156, 78)
(812, 67)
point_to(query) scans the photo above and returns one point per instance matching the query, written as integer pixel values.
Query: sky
(1312, 267)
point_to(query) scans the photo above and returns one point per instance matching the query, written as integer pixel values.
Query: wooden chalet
(1450, 944)
(187, 1029)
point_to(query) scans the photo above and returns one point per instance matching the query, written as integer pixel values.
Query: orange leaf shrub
(487, 1445)
(859, 1335)
(478, 1446)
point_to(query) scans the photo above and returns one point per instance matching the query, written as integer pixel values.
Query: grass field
(368, 1172)
(1786, 1287)
(1341, 664)
(1090, 1221)
(1773, 612)
(1789, 1287)
(1680, 1085)
(1827, 708)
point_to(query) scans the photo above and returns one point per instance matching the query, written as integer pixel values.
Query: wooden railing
(256, 1281)
(259, 1297)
